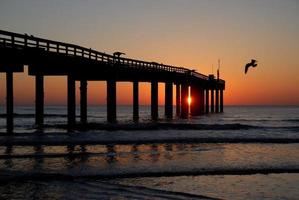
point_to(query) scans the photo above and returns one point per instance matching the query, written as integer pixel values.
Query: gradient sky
(190, 33)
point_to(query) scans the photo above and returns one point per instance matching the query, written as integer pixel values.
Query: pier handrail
(10, 39)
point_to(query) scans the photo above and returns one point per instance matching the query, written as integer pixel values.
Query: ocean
(247, 152)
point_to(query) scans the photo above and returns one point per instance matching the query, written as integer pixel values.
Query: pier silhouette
(52, 58)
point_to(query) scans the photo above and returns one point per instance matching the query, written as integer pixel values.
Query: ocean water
(247, 152)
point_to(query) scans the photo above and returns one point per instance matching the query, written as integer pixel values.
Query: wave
(98, 189)
(156, 126)
(164, 137)
(262, 120)
(291, 120)
(167, 126)
(153, 127)
(7, 175)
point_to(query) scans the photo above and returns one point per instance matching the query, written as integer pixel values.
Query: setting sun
(189, 100)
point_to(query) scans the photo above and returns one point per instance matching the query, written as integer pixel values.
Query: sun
(189, 100)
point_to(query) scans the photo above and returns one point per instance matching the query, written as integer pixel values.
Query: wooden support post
(9, 102)
(217, 101)
(39, 100)
(221, 100)
(212, 101)
(111, 101)
(197, 106)
(207, 101)
(168, 100)
(71, 102)
(154, 100)
(135, 101)
(184, 100)
(178, 99)
(202, 101)
(83, 101)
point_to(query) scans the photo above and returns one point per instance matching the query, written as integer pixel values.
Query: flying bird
(118, 54)
(253, 63)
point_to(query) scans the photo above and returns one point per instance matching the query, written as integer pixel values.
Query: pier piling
(39, 100)
(221, 100)
(135, 100)
(71, 101)
(178, 99)
(184, 100)
(207, 101)
(217, 101)
(83, 101)
(111, 101)
(154, 100)
(9, 102)
(212, 101)
(168, 100)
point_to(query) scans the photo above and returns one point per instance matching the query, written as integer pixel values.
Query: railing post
(13, 41)
(25, 41)
(9, 102)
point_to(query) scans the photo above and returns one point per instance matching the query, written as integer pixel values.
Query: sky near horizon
(189, 33)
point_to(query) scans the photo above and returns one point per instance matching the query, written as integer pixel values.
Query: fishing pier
(52, 58)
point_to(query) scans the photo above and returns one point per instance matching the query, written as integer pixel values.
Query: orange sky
(186, 33)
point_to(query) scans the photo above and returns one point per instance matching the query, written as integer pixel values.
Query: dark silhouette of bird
(253, 63)
(118, 54)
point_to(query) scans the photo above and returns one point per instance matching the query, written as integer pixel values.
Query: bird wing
(253, 61)
(246, 67)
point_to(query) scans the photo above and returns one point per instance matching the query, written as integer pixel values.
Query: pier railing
(16, 40)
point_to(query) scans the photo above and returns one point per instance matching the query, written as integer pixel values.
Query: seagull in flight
(253, 63)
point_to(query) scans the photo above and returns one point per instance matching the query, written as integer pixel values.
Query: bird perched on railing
(118, 54)
(253, 63)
